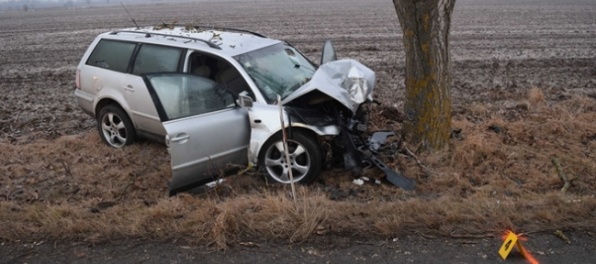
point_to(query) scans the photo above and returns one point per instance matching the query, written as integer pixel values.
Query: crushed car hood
(347, 81)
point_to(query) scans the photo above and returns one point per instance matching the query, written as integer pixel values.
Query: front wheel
(115, 128)
(305, 158)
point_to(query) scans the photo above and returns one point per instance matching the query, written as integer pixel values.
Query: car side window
(183, 95)
(112, 55)
(219, 70)
(155, 58)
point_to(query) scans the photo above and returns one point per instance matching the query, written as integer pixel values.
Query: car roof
(231, 42)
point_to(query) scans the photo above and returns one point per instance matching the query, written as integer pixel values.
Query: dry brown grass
(498, 175)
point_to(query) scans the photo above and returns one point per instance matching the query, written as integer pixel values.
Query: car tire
(305, 157)
(115, 128)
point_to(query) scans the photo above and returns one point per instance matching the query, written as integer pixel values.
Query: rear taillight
(78, 80)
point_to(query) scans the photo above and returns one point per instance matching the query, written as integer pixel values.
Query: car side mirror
(328, 53)
(245, 101)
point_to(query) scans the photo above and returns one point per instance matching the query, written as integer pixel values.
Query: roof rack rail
(201, 27)
(149, 34)
(225, 29)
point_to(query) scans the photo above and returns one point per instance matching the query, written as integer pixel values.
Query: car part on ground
(375, 143)
(359, 152)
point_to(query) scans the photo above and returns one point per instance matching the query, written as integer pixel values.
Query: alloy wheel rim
(114, 130)
(277, 166)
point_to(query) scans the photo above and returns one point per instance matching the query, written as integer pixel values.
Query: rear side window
(112, 55)
(182, 95)
(154, 58)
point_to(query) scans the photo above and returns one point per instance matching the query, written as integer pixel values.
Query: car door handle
(129, 88)
(180, 138)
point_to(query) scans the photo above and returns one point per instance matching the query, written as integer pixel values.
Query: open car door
(207, 133)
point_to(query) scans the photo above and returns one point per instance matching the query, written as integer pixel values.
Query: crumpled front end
(335, 102)
(350, 84)
(329, 101)
(346, 81)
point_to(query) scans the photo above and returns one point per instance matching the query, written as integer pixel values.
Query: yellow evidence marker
(508, 245)
(511, 241)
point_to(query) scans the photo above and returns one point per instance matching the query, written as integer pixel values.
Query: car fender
(102, 97)
(265, 122)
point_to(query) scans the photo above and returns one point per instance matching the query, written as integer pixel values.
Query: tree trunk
(425, 26)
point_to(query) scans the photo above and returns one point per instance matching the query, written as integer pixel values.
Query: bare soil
(524, 91)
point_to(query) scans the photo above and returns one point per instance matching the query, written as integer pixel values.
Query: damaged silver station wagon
(212, 96)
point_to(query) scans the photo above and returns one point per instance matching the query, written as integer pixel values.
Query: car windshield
(277, 70)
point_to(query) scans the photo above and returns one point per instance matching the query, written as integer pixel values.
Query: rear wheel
(115, 127)
(305, 159)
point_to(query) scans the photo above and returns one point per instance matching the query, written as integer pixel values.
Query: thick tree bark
(425, 26)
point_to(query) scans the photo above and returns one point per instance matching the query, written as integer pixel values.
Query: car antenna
(133, 20)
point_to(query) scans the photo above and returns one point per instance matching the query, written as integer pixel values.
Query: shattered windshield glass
(278, 69)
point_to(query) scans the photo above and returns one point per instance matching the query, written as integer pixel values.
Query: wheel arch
(110, 101)
(307, 131)
(265, 124)
(103, 102)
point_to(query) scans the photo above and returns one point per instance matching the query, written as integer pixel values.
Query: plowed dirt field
(499, 50)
